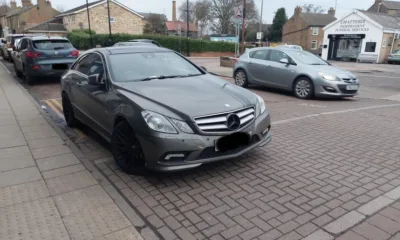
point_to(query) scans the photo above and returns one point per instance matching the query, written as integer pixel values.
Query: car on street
(167, 118)
(146, 41)
(125, 44)
(394, 57)
(36, 57)
(9, 43)
(301, 72)
(13, 53)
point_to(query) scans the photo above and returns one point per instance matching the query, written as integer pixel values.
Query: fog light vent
(174, 156)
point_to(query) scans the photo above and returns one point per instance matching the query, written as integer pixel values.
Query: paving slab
(19, 176)
(11, 136)
(88, 198)
(55, 162)
(345, 222)
(91, 224)
(125, 234)
(63, 171)
(45, 142)
(21, 193)
(70, 182)
(7, 119)
(15, 158)
(375, 205)
(50, 151)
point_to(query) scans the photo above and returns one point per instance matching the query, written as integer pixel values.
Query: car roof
(130, 49)
(141, 40)
(135, 43)
(46, 38)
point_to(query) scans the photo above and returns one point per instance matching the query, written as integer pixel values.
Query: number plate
(232, 142)
(352, 87)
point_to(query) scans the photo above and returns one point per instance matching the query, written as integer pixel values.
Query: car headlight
(158, 122)
(329, 77)
(260, 106)
(183, 126)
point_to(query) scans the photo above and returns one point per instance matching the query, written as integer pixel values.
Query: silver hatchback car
(301, 72)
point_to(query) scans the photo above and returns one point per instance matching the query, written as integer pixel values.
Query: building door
(332, 50)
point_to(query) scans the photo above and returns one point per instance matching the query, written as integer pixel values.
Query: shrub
(81, 40)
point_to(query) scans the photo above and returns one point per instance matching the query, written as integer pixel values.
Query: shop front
(354, 35)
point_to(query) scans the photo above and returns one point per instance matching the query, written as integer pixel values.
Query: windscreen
(51, 44)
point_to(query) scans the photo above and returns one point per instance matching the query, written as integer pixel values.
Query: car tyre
(30, 80)
(17, 72)
(126, 149)
(241, 78)
(68, 111)
(303, 88)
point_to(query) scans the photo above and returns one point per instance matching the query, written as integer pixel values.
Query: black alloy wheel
(126, 149)
(68, 111)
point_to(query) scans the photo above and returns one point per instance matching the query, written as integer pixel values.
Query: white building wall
(355, 24)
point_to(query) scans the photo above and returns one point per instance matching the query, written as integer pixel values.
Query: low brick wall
(227, 61)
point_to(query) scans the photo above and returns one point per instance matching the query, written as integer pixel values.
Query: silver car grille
(350, 80)
(218, 122)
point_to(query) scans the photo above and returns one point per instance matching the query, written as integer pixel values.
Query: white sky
(270, 6)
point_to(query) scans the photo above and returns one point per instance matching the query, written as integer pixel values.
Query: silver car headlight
(260, 106)
(183, 126)
(158, 122)
(328, 77)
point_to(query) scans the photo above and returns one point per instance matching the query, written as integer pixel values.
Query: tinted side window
(276, 56)
(96, 66)
(83, 64)
(260, 54)
(23, 44)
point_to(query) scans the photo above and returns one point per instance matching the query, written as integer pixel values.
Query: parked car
(9, 44)
(394, 57)
(43, 56)
(171, 117)
(13, 53)
(146, 41)
(125, 44)
(296, 47)
(2, 40)
(301, 72)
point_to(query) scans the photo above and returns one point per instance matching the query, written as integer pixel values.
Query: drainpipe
(394, 39)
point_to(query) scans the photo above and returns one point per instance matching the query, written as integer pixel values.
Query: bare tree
(311, 8)
(183, 12)
(60, 8)
(155, 24)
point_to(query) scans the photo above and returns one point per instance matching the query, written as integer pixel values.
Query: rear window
(51, 44)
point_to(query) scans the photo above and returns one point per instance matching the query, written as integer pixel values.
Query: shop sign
(352, 26)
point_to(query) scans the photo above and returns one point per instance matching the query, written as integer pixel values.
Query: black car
(43, 56)
(146, 41)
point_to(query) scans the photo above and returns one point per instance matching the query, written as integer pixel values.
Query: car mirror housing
(203, 68)
(284, 61)
(94, 79)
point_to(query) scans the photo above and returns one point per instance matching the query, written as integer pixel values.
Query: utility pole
(335, 6)
(109, 22)
(243, 26)
(187, 29)
(90, 30)
(261, 17)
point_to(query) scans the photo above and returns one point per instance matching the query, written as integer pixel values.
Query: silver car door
(258, 66)
(282, 75)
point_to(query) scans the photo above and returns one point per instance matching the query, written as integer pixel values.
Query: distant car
(146, 41)
(9, 43)
(17, 41)
(297, 47)
(301, 72)
(43, 56)
(125, 44)
(394, 57)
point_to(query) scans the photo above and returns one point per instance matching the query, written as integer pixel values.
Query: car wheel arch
(301, 76)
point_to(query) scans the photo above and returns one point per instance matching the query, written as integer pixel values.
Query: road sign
(239, 12)
(259, 35)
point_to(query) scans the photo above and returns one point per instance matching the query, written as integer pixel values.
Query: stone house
(53, 27)
(306, 29)
(20, 18)
(122, 18)
(387, 7)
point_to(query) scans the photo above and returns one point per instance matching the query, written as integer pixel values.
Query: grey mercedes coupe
(159, 111)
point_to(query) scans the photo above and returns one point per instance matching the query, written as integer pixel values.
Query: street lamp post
(243, 25)
(109, 21)
(261, 17)
(90, 30)
(187, 29)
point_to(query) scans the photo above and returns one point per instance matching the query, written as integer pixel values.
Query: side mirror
(94, 79)
(204, 68)
(284, 61)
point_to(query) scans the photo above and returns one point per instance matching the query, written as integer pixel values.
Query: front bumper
(198, 149)
(394, 59)
(335, 89)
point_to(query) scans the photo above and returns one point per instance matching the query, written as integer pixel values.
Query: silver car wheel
(303, 88)
(240, 78)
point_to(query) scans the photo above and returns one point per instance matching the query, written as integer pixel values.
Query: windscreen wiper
(160, 77)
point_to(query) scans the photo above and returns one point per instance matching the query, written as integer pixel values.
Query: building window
(112, 19)
(72, 18)
(314, 45)
(370, 47)
(315, 31)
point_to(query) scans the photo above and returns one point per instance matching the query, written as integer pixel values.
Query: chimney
(26, 3)
(174, 11)
(331, 11)
(42, 3)
(13, 5)
(297, 10)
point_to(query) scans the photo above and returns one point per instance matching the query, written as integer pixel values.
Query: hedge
(81, 40)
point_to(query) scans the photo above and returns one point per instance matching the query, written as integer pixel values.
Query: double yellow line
(56, 106)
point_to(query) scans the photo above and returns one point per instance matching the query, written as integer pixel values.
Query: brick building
(306, 29)
(20, 18)
(122, 18)
(387, 7)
